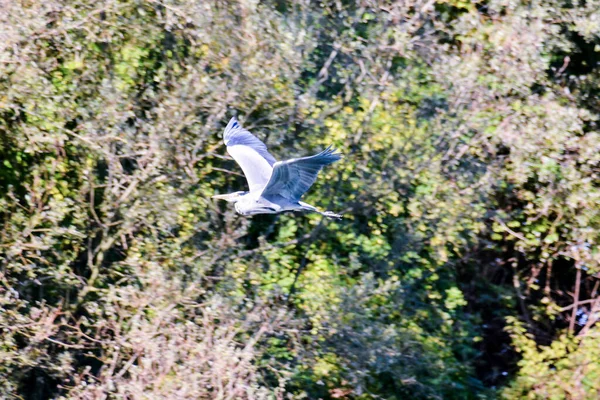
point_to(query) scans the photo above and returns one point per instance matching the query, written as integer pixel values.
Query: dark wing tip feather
(230, 129)
(329, 155)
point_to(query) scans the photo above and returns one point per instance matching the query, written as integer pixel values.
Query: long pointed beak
(229, 197)
(222, 196)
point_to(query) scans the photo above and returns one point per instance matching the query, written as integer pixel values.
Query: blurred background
(467, 263)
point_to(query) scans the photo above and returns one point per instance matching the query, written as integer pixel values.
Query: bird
(274, 186)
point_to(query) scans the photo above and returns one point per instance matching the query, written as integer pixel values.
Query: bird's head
(230, 197)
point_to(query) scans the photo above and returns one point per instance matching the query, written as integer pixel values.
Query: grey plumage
(275, 186)
(292, 178)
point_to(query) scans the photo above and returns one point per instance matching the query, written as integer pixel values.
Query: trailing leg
(328, 214)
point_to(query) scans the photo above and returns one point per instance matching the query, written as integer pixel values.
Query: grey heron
(275, 186)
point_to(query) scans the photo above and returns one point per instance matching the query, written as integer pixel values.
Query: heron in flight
(275, 186)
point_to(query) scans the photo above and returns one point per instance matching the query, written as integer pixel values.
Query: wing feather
(292, 178)
(250, 153)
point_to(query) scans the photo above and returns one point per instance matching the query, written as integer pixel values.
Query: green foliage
(466, 265)
(567, 368)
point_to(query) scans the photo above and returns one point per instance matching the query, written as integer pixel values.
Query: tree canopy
(467, 264)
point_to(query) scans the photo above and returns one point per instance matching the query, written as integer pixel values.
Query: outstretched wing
(292, 178)
(250, 153)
